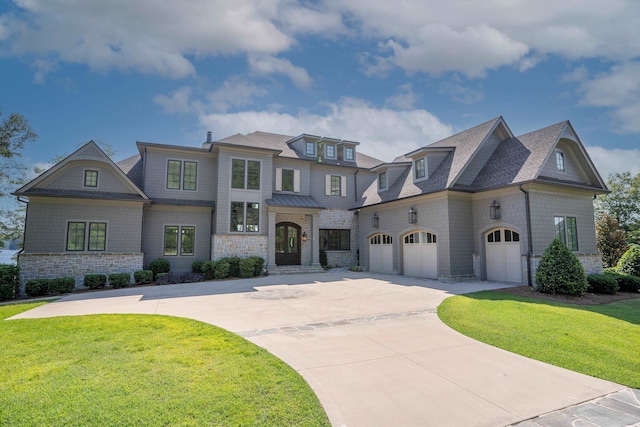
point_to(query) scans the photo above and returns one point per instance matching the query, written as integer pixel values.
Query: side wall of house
(460, 213)
(71, 177)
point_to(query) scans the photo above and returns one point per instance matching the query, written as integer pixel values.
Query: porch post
(271, 262)
(315, 239)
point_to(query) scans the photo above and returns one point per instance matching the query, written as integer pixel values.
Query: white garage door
(420, 255)
(381, 253)
(503, 256)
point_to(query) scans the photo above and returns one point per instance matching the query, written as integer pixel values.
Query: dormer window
(560, 161)
(330, 151)
(311, 149)
(382, 181)
(420, 169)
(91, 178)
(348, 153)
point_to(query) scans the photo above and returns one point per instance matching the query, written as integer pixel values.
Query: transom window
(311, 149)
(420, 170)
(381, 239)
(179, 240)
(330, 151)
(181, 175)
(560, 161)
(566, 228)
(382, 180)
(497, 236)
(348, 153)
(335, 240)
(90, 178)
(419, 237)
(77, 236)
(245, 217)
(245, 174)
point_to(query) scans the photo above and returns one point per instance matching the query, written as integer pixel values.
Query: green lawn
(599, 340)
(142, 370)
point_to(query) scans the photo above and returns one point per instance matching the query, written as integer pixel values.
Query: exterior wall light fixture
(375, 220)
(413, 215)
(494, 210)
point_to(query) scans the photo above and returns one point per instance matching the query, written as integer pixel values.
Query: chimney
(209, 137)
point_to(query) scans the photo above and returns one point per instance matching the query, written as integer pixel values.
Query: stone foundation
(243, 246)
(51, 266)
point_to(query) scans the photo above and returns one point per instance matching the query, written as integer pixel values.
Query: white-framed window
(288, 180)
(566, 229)
(330, 151)
(420, 168)
(179, 239)
(310, 148)
(86, 235)
(349, 153)
(335, 185)
(245, 174)
(382, 181)
(245, 217)
(560, 163)
(182, 175)
(90, 178)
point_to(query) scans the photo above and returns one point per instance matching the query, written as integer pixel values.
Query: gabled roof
(90, 152)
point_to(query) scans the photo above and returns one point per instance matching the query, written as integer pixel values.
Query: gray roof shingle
(294, 201)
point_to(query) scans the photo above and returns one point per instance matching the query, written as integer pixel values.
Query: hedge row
(230, 267)
(41, 287)
(9, 281)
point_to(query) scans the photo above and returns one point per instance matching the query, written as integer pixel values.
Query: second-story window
(182, 175)
(245, 174)
(348, 153)
(330, 151)
(311, 149)
(420, 170)
(287, 180)
(91, 178)
(335, 185)
(382, 180)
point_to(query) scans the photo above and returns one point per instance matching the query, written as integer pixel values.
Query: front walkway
(371, 346)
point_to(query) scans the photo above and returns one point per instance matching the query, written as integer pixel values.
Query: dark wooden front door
(287, 244)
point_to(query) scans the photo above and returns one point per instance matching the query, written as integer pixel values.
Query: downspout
(355, 184)
(24, 227)
(529, 237)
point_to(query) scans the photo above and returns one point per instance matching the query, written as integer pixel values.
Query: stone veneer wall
(51, 266)
(243, 246)
(592, 263)
(341, 219)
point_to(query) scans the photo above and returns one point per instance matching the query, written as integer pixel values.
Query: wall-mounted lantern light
(375, 221)
(494, 210)
(413, 215)
(304, 236)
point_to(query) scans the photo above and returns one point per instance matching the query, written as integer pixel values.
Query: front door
(287, 244)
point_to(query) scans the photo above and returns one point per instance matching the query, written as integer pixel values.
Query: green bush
(158, 266)
(247, 267)
(222, 269)
(605, 283)
(143, 277)
(259, 265)
(560, 271)
(9, 281)
(120, 280)
(162, 279)
(234, 265)
(36, 287)
(196, 266)
(630, 262)
(626, 282)
(209, 270)
(62, 285)
(324, 262)
(95, 281)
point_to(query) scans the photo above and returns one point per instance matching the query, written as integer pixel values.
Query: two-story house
(480, 204)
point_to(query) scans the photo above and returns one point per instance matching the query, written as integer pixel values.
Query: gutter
(529, 237)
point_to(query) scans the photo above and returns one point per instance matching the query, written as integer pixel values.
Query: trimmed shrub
(234, 265)
(560, 271)
(630, 262)
(324, 261)
(209, 269)
(95, 281)
(62, 285)
(120, 280)
(222, 269)
(259, 265)
(175, 278)
(160, 277)
(158, 266)
(626, 282)
(36, 287)
(9, 281)
(196, 266)
(247, 267)
(602, 284)
(143, 277)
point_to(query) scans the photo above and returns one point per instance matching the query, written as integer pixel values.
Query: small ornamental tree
(610, 239)
(560, 271)
(630, 262)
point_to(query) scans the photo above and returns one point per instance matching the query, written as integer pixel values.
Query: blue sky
(392, 75)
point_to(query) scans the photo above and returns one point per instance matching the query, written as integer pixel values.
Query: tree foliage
(623, 203)
(610, 239)
(560, 271)
(630, 262)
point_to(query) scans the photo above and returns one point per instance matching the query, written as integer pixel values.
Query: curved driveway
(371, 346)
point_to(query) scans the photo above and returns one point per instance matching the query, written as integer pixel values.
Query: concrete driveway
(371, 346)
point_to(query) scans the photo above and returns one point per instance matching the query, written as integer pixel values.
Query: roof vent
(209, 136)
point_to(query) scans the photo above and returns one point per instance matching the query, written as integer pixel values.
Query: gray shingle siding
(302, 166)
(72, 178)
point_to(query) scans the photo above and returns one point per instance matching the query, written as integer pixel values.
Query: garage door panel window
(419, 237)
(381, 239)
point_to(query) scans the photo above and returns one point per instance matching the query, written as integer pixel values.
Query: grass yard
(597, 340)
(143, 370)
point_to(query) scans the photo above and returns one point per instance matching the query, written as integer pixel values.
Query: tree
(560, 271)
(622, 203)
(610, 239)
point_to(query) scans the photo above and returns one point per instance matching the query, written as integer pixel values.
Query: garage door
(420, 255)
(381, 253)
(503, 256)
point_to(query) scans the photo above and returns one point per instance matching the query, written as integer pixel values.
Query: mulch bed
(586, 299)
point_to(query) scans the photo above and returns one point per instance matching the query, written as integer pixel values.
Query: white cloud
(383, 133)
(177, 102)
(267, 65)
(462, 94)
(405, 99)
(609, 160)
